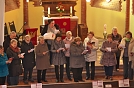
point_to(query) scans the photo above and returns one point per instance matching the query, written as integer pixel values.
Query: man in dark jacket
(29, 58)
(6, 42)
(117, 38)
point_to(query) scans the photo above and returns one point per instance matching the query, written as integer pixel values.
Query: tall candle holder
(48, 16)
(71, 15)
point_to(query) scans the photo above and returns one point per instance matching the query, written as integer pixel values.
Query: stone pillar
(127, 23)
(83, 11)
(25, 12)
(2, 10)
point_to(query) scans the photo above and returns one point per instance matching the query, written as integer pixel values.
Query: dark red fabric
(64, 24)
(33, 34)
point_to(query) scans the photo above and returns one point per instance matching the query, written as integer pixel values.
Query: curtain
(2, 12)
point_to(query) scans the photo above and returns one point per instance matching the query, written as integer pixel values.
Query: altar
(65, 23)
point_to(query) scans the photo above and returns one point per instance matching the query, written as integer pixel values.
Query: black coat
(6, 43)
(15, 68)
(29, 58)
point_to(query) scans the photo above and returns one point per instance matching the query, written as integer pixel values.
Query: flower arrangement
(60, 8)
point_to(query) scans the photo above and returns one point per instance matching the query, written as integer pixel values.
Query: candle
(70, 9)
(27, 0)
(48, 10)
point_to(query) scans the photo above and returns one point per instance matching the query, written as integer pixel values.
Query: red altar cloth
(33, 33)
(64, 24)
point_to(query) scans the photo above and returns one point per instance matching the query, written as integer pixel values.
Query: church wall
(96, 18)
(16, 16)
(131, 19)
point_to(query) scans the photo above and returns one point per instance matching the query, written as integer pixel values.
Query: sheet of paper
(60, 49)
(85, 51)
(67, 45)
(31, 50)
(56, 31)
(121, 45)
(33, 85)
(121, 83)
(49, 35)
(108, 86)
(22, 54)
(39, 85)
(100, 84)
(126, 83)
(95, 84)
(3, 86)
(109, 49)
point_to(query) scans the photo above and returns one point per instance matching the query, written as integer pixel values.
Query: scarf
(69, 39)
(128, 39)
(15, 49)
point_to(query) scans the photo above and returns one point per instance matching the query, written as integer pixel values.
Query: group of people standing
(70, 51)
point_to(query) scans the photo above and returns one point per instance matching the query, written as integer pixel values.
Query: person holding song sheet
(15, 68)
(4, 61)
(77, 60)
(91, 44)
(126, 47)
(108, 59)
(58, 57)
(68, 40)
(42, 59)
(27, 49)
(117, 38)
(49, 32)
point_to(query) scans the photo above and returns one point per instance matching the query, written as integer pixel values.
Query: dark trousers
(67, 67)
(14, 80)
(2, 80)
(57, 72)
(128, 71)
(118, 62)
(77, 73)
(26, 71)
(92, 69)
(41, 73)
(108, 70)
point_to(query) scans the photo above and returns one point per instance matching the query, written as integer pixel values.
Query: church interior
(80, 17)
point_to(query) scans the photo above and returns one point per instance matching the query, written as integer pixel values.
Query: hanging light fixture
(88, 0)
(108, 0)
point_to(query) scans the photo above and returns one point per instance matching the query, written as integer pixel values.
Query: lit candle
(27, 0)
(48, 10)
(70, 9)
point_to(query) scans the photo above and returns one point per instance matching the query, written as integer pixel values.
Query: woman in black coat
(29, 58)
(15, 68)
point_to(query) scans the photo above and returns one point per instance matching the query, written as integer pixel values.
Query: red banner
(33, 33)
(64, 24)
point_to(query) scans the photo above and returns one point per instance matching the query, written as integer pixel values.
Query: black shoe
(106, 77)
(70, 79)
(57, 81)
(45, 80)
(82, 80)
(62, 80)
(25, 82)
(111, 78)
(76, 81)
(39, 82)
(31, 80)
(87, 78)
